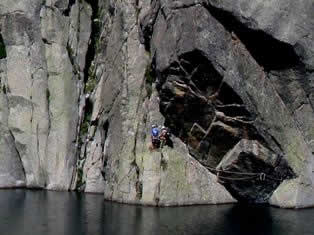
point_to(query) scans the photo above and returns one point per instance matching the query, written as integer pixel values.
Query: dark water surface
(25, 212)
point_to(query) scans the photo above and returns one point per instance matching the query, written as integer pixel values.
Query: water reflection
(52, 213)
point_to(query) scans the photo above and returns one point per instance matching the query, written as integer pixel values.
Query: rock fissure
(95, 33)
(67, 11)
(147, 24)
(3, 52)
(74, 64)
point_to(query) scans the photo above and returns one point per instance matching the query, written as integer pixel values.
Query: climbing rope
(230, 172)
(250, 176)
(237, 178)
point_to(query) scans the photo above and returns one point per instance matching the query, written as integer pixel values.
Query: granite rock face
(124, 104)
(45, 46)
(11, 169)
(82, 82)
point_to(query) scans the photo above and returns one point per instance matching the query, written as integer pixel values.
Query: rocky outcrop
(83, 81)
(228, 74)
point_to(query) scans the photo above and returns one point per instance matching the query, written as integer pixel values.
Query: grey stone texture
(43, 45)
(81, 83)
(11, 170)
(116, 155)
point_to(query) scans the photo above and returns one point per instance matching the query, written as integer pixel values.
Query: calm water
(55, 213)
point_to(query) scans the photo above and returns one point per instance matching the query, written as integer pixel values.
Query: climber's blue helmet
(155, 131)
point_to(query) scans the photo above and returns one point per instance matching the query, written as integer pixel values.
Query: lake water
(25, 212)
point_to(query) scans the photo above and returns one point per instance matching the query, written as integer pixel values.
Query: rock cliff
(82, 82)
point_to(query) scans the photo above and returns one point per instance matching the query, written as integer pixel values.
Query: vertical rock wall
(45, 44)
(12, 172)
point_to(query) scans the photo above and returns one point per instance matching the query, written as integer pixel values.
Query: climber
(164, 136)
(155, 136)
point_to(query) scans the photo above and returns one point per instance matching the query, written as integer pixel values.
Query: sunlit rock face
(42, 71)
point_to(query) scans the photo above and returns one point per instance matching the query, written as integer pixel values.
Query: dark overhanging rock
(284, 60)
(185, 96)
